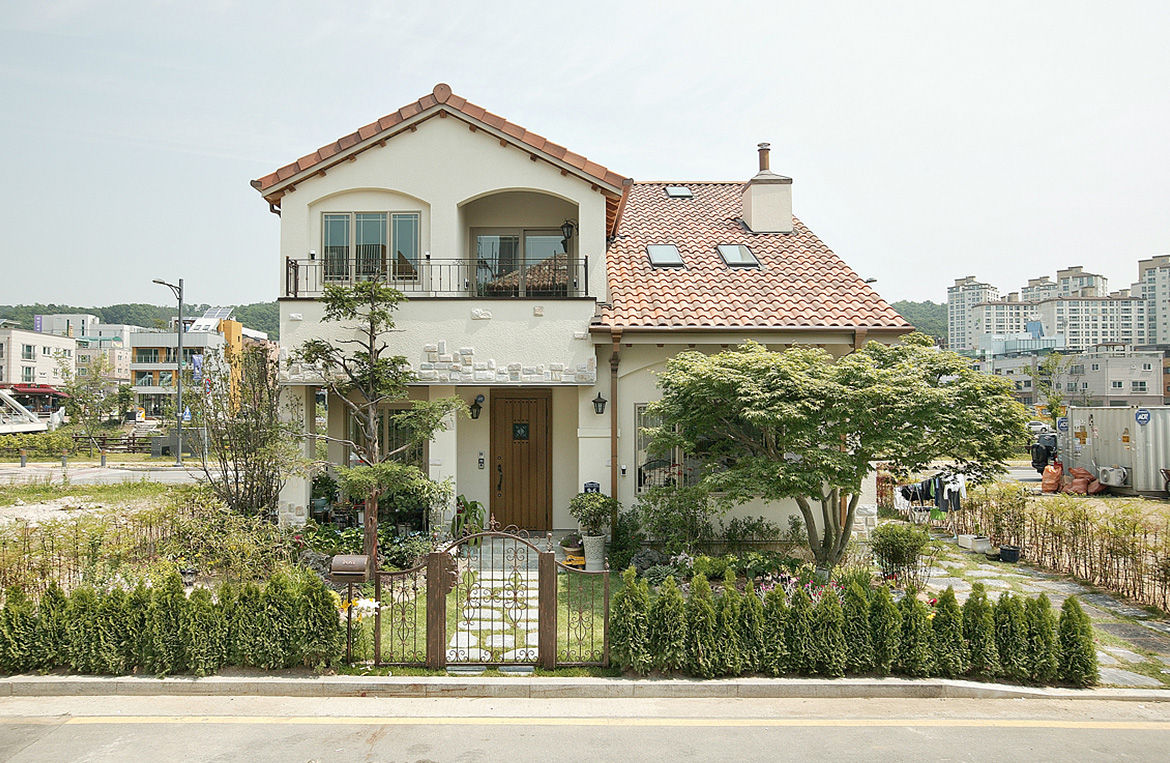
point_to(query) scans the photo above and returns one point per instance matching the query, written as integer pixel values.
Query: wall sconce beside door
(599, 404)
(476, 407)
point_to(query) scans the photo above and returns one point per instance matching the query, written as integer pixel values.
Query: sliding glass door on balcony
(514, 263)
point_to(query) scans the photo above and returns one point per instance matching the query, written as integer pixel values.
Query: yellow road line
(319, 720)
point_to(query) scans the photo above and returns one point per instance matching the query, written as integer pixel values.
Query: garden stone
(1124, 654)
(949, 563)
(1138, 636)
(463, 640)
(1120, 677)
(984, 574)
(995, 583)
(499, 641)
(471, 655)
(1104, 659)
(1118, 608)
(528, 653)
(936, 572)
(483, 614)
(1064, 586)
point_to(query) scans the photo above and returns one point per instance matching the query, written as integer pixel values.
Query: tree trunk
(370, 544)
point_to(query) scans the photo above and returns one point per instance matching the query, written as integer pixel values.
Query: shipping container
(1136, 439)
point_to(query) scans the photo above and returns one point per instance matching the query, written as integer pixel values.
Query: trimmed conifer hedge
(861, 631)
(291, 621)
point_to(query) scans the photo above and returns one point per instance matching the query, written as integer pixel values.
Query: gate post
(546, 639)
(437, 586)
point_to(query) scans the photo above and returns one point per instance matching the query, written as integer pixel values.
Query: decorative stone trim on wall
(443, 365)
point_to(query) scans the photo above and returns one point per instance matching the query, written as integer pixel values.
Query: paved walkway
(1133, 645)
(499, 616)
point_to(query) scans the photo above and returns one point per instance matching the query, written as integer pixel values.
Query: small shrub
(950, 646)
(728, 657)
(165, 618)
(278, 607)
(114, 633)
(713, 567)
(647, 558)
(628, 624)
(857, 633)
(679, 517)
(52, 628)
(84, 639)
(802, 642)
(666, 628)
(322, 635)
(137, 630)
(205, 633)
(657, 575)
(593, 511)
(759, 564)
(1078, 655)
(751, 631)
(829, 625)
(246, 626)
(979, 630)
(627, 538)
(846, 575)
(776, 658)
(1011, 637)
(898, 547)
(916, 651)
(742, 531)
(701, 629)
(18, 633)
(1043, 654)
(886, 628)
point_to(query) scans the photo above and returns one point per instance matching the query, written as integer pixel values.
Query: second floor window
(27, 374)
(363, 245)
(146, 355)
(28, 352)
(1139, 386)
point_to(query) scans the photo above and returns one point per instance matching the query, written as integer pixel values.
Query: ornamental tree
(367, 380)
(804, 426)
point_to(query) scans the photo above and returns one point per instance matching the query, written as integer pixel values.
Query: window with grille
(656, 468)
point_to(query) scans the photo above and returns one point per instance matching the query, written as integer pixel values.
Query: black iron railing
(557, 276)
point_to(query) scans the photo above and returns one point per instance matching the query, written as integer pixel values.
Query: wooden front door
(521, 458)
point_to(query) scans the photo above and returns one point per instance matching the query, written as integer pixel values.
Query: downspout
(614, 359)
(859, 339)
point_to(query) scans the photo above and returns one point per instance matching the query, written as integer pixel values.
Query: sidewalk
(530, 687)
(1133, 645)
(93, 474)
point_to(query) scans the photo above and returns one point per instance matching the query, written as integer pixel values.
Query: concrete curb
(552, 687)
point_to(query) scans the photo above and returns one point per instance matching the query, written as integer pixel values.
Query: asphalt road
(359, 729)
(95, 475)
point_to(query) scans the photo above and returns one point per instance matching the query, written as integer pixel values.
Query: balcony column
(444, 450)
(298, 406)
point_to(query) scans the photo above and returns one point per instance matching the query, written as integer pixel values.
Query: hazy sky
(927, 140)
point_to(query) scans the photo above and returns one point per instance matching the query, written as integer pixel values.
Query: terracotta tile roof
(456, 104)
(801, 282)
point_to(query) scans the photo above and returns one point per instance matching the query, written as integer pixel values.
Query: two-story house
(545, 290)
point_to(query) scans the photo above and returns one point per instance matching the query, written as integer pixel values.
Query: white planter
(594, 552)
(981, 544)
(965, 541)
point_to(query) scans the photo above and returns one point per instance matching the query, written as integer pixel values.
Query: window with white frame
(1116, 384)
(1138, 386)
(28, 374)
(28, 352)
(392, 435)
(657, 468)
(364, 245)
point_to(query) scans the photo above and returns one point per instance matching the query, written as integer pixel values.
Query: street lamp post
(178, 290)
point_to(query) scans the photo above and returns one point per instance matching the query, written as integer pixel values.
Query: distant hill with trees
(261, 316)
(928, 317)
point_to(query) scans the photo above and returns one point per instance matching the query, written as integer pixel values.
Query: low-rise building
(1108, 375)
(154, 356)
(89, 350)
(28, 357)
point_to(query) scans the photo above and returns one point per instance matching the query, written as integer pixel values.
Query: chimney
(767, 199)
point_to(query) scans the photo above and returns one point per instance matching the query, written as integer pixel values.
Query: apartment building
(961, 299)
(28, 357)
(90, 349)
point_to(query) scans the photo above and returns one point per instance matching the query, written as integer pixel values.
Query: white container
(981, 544)
(594, 552)
(965, 541)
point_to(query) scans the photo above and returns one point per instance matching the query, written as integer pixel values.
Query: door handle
(500, 482)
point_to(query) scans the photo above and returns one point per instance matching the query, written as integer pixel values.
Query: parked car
(1036, 427)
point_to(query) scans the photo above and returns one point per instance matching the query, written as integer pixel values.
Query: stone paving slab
(1123, 654)
(1119, 677)
(1105, 601)
(1138, 636)
(1105, 660)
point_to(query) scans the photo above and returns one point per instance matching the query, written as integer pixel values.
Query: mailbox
(349, 568)
(592, 487)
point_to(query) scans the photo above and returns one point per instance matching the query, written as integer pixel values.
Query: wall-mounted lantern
(477, 406)
(567, 229)
(599, 404)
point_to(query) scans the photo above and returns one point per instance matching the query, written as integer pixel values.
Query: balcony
(556, 276)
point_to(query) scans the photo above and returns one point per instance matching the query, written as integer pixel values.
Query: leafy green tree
(857, 632)
(777, 658)
(667, 628)
(366, 381)
(1043, 649)
(702, 629)
(751, 631)
(629, 626)
(1078, 654)
(1011, 637)
(801, 634)
(886, 627)
(950, 645)
(979, 630)
(92, 395)
(728, 659)
(1047, 383)
(829, 627)
(916, 649)
(801, 425)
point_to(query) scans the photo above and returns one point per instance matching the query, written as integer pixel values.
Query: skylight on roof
(738, 256)
(678, 192)
(664, 256)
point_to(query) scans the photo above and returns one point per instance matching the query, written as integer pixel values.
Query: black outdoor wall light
(476, 407)
(567, 229)
(599, 404)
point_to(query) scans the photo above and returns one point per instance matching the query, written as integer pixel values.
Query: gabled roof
(441, 99)
(800, 283)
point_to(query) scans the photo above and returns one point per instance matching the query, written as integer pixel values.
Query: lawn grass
(114, 493)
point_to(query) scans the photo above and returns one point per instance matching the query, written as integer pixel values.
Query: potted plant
(592, 511)
(571, 543)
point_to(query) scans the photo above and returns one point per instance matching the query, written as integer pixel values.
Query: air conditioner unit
(1113, 476)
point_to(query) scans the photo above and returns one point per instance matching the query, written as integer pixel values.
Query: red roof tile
(441, 94)
(800, 282)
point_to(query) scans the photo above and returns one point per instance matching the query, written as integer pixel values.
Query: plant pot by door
(594, 552)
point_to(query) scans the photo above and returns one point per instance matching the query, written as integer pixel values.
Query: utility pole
(178, 290)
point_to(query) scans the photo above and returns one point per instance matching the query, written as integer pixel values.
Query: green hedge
(37, 444)
(291, 621)
(737, 633)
